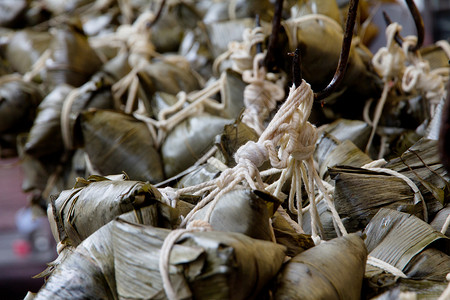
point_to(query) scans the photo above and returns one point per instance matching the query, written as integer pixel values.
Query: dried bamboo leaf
(222, 33)
(243, 211)
(439, 221)
(118, 143)
(285, 235)
(329, 8)
(234, 136)
(82, 210)
(186, 143)
(360, 193)
(18, 103)
(45, 135)
(346, 154)
(25, 47)
(435, 55)
(220, 11)
(396, 238)
(326, 218)
(424, 289)
(72, 61)
(234, 86)
(317, 40)
(331, 270)
(422, 165)
(167, 77)
(203, 265)
(87, 271)
(356, 131)
(430, 264)
(201, 174)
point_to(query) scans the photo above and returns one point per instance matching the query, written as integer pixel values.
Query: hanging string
(260, 95)
(419, 76)
(241, 53)
(389, 63)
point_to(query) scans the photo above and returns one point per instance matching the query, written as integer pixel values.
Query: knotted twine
(260, 95)
(187, 105)
(241, 53)
(137, 39)
(288, 140)
(389, 63)
(419, 76)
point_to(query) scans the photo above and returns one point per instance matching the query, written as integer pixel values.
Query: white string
(241, 53)
(373, 261)
(409, 182)
(197, 102)
(260, 95)
(446, 224)
(389, 63)
(169, 242)
(66, 110)
(446, 294)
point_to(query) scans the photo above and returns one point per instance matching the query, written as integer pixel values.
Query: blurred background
(26, 242)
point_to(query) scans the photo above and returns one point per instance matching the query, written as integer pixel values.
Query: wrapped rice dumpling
(201, 174)
(45, 135)
(25, 47)
(81, 211)
(87, 272)
(12, 12)
(331, 270)
(360, 193)
(328, 7)
(203, 265)
(189, 140)
(72, 60)
(244, 211)
(421, 163)
(234, 136)
(18, 102)
(168, 77)
(288, 237)
(408, 244)
(117, 143)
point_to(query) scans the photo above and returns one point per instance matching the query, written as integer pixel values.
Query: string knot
(253, 152)
(305, 144)
(389, 61)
